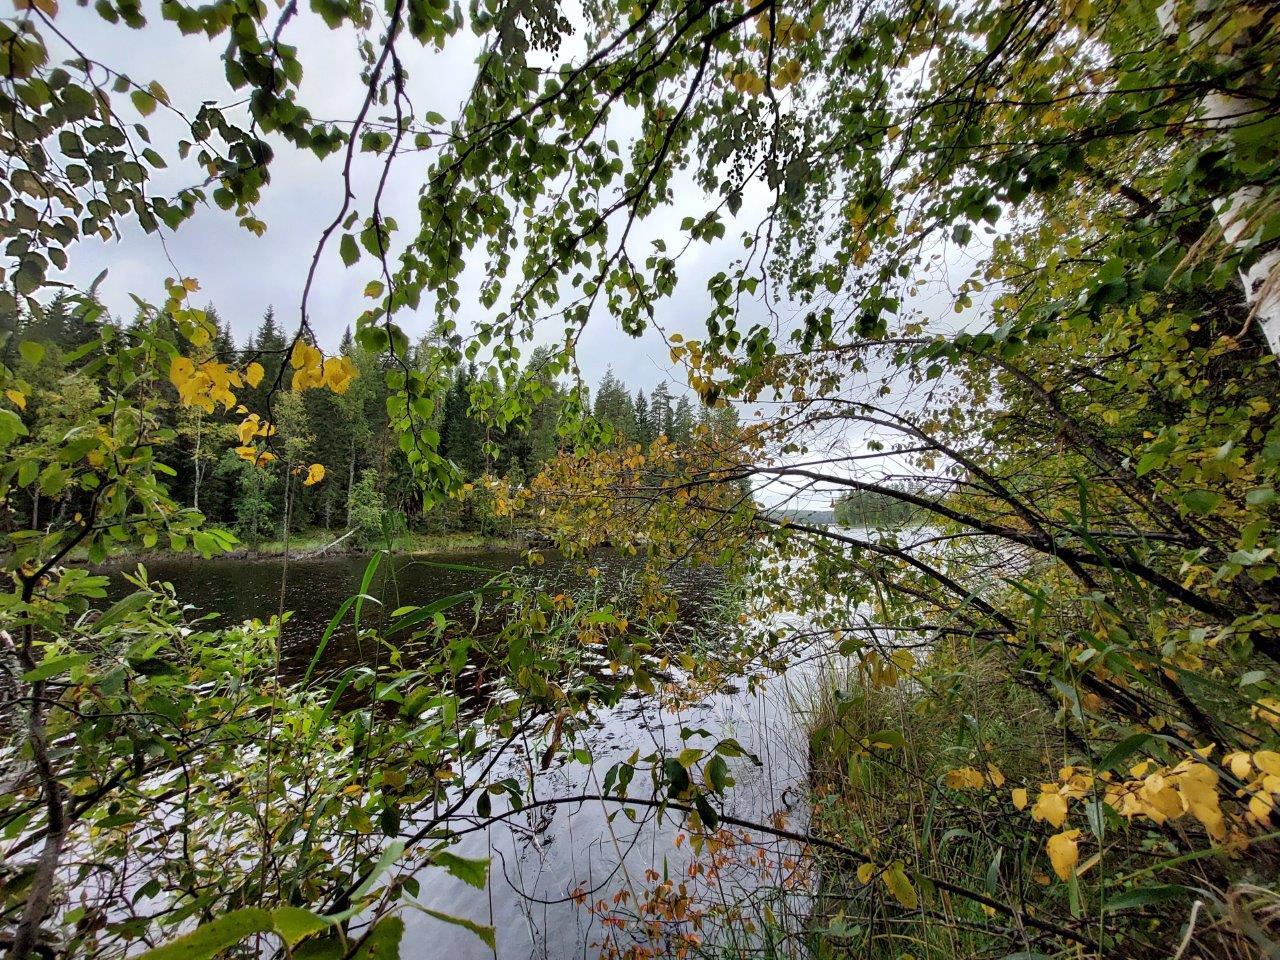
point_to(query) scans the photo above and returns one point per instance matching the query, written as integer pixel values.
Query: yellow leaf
(1199, 788)
(1261, 805)
(1020, 797)
(180, 371)
(48, 7)
(19, 400)
(253, 374)
(304, 356)
(995, 776)
(1267, 710)
(895, 878)
(866, 872)
(1268, 761)
(315, 473)
(964, 778)
(1064, 852)
(254, 455)
(338, 374)
(1239, 764)
(1051, 807)
(248, 429)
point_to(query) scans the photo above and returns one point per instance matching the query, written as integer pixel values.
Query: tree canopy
(1013, 265)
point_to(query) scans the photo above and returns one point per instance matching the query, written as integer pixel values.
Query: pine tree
(267, 346)
(660, 411)
(461, 437)
(224, 343)
(645, 433)
(613, 405)
(682, 422)
(541, 441)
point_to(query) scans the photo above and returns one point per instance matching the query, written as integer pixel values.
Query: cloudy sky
(242, 274)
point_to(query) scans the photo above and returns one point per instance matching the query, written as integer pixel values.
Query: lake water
(557, 872)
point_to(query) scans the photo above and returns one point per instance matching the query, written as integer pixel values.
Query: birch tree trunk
(1242, 214)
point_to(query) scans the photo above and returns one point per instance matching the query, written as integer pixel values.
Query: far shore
(316, 543)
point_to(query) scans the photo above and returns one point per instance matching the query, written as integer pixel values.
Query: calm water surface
(540, 858)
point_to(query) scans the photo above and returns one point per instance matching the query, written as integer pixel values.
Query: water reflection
(558, 871)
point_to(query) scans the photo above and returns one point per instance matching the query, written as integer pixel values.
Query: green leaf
(56, 666)
(1146, 896)
(1201, 501)
(11, 426)
(143, 102)
(483, 932)
(390, 855)
(122, 608)
(294, 923)
(349, 250)
(1260, 496)
(710, 819)
(1123, 750)
(474, 872)
(210, 939)
(31, 351)
(895, 878)
(717, 772)
(383, 941)
(887, 739)
(1149, 461)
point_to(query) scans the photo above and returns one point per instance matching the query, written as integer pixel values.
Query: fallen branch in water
(319, 550)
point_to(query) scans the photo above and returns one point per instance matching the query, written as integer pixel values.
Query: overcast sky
(242, 274)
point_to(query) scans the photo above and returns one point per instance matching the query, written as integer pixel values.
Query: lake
(557, 872)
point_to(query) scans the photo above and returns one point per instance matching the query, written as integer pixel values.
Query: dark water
(539, 859)
(243, 589)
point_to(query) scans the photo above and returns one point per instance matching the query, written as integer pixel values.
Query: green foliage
(373, 522)
(1091, 190)
(870, 508)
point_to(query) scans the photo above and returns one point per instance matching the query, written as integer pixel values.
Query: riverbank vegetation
(872, 509)
(371, 490)
(1011, 265)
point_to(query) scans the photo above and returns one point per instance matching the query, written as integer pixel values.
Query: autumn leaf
(181, 370)
(1050, 807)
(895, 878)
(964, 778)
(1064, 852)
(315, 473)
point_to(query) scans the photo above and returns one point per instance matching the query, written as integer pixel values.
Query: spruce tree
(645, 432)
(682, 422)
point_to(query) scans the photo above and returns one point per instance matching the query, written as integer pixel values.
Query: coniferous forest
(921, 603)
(370, 490)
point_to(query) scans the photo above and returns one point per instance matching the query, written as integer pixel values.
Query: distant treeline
(871, 508)
(368, 480)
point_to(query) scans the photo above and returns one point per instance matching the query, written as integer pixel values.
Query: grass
(311, 539)
(463, 541)
(893, 803)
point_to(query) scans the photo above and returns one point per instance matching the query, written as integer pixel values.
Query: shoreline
(409, 545)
